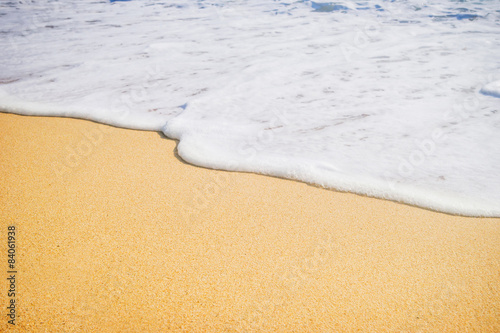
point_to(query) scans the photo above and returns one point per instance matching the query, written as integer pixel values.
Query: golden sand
(114, 233)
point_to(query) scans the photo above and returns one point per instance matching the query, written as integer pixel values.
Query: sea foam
(394, 100)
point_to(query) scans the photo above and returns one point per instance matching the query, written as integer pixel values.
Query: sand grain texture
(128, 238)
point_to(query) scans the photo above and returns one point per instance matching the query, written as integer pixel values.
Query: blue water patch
(466, 17)
(490, 93)
(327, 7)
(470, 17)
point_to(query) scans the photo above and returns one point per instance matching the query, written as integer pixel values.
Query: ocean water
(390, 99)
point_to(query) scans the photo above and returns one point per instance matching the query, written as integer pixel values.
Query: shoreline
(115, 233)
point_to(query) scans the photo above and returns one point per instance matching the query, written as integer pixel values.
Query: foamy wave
(373, 97)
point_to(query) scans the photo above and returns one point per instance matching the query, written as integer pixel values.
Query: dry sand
(125, 237)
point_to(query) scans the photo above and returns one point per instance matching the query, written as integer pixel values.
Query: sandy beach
(114, 233)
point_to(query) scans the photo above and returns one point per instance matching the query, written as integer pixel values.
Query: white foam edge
(120, 118)
(194, 150)
(201, 153)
